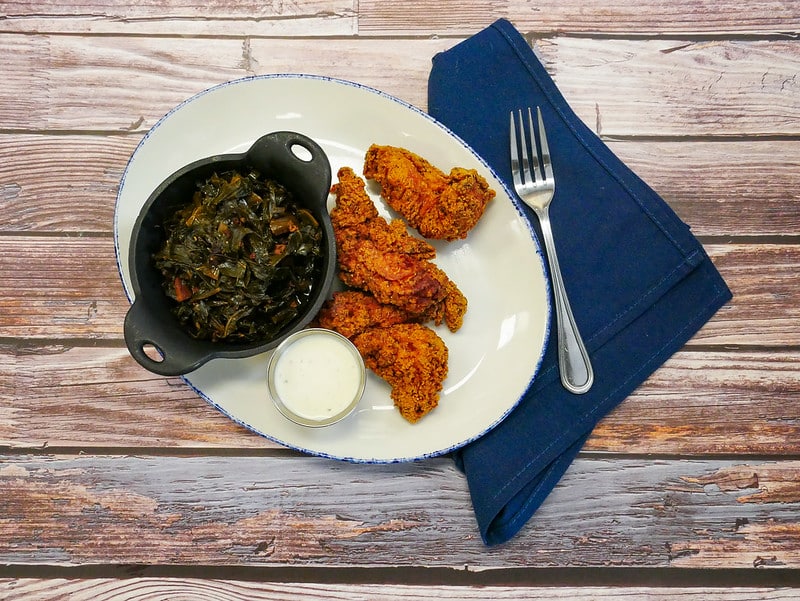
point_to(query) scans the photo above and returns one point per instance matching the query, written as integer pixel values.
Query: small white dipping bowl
(316, 377)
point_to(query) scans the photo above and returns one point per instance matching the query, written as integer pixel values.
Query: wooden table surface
(116, 483)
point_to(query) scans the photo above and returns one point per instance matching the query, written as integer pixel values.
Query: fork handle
(575, 367)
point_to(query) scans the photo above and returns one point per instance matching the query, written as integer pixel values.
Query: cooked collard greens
(241, 259)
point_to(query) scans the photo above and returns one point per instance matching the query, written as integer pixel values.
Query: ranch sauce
(317, 376)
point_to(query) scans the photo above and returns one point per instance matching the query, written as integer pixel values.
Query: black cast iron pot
(291, 159)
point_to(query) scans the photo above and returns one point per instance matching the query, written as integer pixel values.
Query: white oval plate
(499, 267)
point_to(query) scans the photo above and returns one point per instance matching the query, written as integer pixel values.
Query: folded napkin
(639, 282)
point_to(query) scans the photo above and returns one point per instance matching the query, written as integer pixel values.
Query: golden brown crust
(352, 312)
(382, 258)
(439, 206)
(413, 361)
(397, 288)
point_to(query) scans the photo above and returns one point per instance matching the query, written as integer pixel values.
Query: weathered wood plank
(671, 87)
(702, 403)
(169, 589)
(618, 87)
(757, 309)
(61, 183)
(651, 77)
(310, 18)
(620, 17)
(716, 187)
(63, 288)
(417, 17)
(261, 511)
(698, 403)
(90, 397)
(123, 84)
(54, 287)
(719, 188)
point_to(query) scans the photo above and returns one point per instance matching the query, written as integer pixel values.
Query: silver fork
(536, 189)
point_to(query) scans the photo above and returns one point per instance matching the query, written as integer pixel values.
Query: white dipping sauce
(318, 376)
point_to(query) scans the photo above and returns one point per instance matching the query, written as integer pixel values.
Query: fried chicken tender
(383, 259)
(396, 289)
(351, 312)
(439, 206)
(413, 361)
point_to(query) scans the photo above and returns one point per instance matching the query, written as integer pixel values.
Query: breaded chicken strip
(384, 260)
(413, 361)
(352, 312)
(439, 206)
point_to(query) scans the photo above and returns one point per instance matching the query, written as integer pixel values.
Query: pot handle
(309, 175)
(177, 358)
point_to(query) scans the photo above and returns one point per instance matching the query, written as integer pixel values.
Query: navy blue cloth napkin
(639, 282)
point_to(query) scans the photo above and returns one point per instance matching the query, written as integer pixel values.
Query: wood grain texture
(679, 88)
(701, 403)
(715, 186)
(410, 18)
(107, 469)
(74, 194)
(722, 188)
(196, 589)
(698, 403)
(88, 397)
(125, 84)
(618, 87)
(310, 18)
(616, 17)
(273, 511)
(759, 296)
(74, 290)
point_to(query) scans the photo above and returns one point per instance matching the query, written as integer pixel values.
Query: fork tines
(529, 169)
